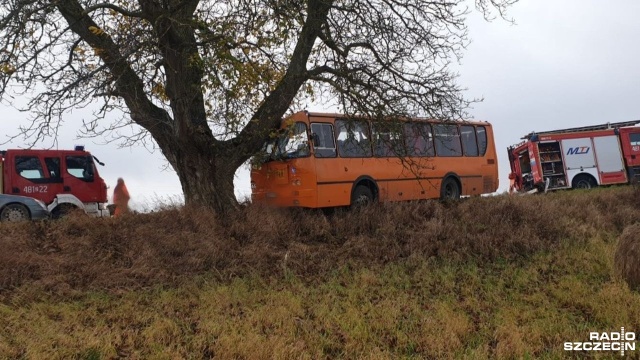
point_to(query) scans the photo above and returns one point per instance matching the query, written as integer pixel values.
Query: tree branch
(128, 84)
(118, 9)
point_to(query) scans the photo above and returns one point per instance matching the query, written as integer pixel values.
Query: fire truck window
(469, 143)
(634, 139)
(323, 141)
(80, 167)
(482, 139)
(418, 139)
(53, 166)
(29, 167)
(447, 140)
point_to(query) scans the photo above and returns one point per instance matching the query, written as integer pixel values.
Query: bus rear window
(481, 131)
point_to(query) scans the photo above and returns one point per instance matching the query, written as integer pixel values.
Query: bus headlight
(296, 182)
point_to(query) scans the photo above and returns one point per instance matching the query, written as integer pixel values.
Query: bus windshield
(290, 144)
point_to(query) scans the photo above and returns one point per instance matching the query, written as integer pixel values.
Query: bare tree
(207, 81)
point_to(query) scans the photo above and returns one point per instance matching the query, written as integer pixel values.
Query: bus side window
(418, 139)
(469, 143)
(323, 141)
(353, 138)
(388, 139)
(481, 131)
(447, 140)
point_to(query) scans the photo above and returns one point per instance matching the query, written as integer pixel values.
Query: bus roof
(337, 115)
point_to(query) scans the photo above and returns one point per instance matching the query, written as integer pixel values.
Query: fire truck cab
(582, 157)
(62, 179)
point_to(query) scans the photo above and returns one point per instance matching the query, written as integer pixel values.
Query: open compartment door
(534, 156)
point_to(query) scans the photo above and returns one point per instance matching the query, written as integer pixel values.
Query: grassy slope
(487, 277)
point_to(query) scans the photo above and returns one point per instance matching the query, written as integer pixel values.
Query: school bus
(323, 160)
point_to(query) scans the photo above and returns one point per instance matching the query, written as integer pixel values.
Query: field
(497, 277)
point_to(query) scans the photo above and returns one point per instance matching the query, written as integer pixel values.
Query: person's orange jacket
(121, 198)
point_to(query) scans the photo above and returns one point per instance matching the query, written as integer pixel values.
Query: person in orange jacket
(121, 198)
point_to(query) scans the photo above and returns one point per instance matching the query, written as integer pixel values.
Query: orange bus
(325, 160)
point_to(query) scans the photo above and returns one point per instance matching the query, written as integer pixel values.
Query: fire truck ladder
(584, 128)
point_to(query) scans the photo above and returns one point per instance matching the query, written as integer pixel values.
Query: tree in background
(208, 81)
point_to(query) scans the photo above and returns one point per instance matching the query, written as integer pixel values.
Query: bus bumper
(296, 198)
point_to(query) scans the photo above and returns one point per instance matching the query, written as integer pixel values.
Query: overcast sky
(563, 63)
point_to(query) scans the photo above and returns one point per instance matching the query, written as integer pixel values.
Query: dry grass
(505, 277)
(166, 247)
(627, 258)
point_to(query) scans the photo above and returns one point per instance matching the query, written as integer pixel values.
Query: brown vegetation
(162, 248)
(627, 258)
(500, 277)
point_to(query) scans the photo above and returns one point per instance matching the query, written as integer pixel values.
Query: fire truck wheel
(583, 182)
(15, 212)
(449, 190)
(62, 210)
(362, 195)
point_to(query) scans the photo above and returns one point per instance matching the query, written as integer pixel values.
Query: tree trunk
(207, 179)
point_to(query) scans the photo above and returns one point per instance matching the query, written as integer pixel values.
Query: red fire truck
(62, 179)
(581, 157)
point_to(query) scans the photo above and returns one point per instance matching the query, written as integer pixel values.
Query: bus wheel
(15, 212)
(449, 190)
(583, 182)
(362, 195)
